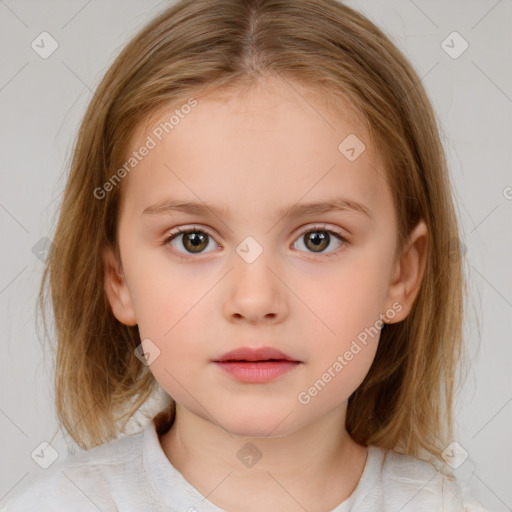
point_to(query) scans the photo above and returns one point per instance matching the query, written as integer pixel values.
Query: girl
(258, 220)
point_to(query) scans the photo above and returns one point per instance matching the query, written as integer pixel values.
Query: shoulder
(83, 481)
(411, 484)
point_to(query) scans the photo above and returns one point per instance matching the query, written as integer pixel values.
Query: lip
(256, 365)
(254, 354)
(257, 371)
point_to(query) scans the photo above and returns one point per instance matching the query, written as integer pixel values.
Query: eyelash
(316, 227)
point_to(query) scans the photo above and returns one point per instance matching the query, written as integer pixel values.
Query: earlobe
(116, 288)
(408, 273)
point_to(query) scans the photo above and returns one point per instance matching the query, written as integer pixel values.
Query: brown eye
(195, 241)
(190, 241)
(318, 239)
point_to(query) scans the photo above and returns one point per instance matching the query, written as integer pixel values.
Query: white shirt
(133, 474)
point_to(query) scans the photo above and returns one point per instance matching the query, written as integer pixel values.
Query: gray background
(43, 100)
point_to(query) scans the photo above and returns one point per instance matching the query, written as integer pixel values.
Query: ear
(408, 273)
(116, 288)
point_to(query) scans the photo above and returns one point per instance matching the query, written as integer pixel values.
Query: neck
(315, 467)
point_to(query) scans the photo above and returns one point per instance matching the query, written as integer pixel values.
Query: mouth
(256, 365)
(256, 355)
(257, 371)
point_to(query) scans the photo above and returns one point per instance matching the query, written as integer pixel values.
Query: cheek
(340, 360)
(172, 321)
(343, 325)
(165, 294)
(344, 302)
(174, 310)
(167, 313)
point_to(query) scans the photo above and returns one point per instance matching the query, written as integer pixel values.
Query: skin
(255, 153)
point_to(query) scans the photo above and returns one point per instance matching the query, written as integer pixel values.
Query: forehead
(251, 147)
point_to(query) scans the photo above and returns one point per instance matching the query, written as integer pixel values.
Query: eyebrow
(299, 209)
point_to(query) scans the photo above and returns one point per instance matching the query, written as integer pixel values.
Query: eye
(194, 240)
(318, 238)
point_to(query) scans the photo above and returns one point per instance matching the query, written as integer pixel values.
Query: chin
(255, 425)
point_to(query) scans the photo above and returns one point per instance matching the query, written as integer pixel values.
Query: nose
(256, 292)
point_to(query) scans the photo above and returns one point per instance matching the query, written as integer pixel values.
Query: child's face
(253, 157)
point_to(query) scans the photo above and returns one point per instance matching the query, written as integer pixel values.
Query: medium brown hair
(406, 400)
